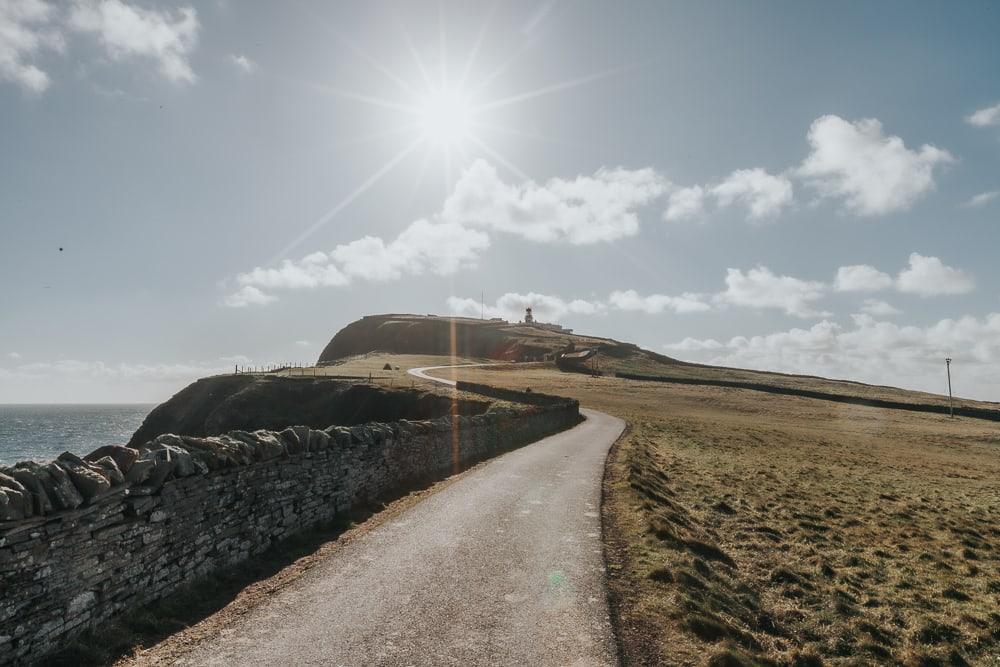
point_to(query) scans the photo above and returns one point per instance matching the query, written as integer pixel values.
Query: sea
(43, 432)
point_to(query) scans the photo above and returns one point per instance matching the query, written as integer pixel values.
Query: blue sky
(807, 188)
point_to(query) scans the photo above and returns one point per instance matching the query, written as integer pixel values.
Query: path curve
(502, 567)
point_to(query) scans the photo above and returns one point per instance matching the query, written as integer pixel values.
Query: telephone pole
(951, 401)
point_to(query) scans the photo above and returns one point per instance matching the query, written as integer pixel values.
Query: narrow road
(503, 567)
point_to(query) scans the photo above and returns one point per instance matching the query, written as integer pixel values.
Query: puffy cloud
(25, 30)
(929, 276)
(982, 199)
(657, 303)
(127, 31)
(690, 344)
(13, 355)
(587, 209)
(861, 278)
(314, 270)
(985, 117)
(763, 193)
(243, 63)
(878, 308)
(873, 173)
(760, 288)
(871, 351)
(685, 204)
(423, 247)
(248, 295)
(510, 306)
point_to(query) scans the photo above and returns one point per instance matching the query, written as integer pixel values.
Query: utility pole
(483, 302)
(951, 401)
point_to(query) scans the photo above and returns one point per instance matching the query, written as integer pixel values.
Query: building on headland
(530, 320)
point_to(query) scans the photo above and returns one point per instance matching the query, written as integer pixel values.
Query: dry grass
(747, 528)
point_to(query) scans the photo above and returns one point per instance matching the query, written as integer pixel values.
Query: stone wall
(84, 540)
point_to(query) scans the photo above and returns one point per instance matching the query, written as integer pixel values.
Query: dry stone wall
(85, 539)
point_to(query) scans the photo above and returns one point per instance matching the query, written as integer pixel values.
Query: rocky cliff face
(216, 405)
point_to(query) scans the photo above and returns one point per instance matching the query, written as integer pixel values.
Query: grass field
(746, 528)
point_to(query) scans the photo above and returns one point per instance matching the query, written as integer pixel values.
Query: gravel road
(503, 567)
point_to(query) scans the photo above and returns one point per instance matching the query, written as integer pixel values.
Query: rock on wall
(83, 540)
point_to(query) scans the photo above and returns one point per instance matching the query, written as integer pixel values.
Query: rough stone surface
(123, 456)
(82, 541)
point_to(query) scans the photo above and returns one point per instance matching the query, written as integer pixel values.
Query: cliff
(216, 405)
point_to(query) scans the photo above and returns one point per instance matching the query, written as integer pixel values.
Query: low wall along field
(84, 540)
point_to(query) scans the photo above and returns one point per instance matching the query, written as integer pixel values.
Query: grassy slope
(745, 528)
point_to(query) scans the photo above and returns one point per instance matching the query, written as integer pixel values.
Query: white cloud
(248, 295)
(982, 199)
(872, 173)
(25, 30)
(985, 117)
(13, 355)
(423, 247)
(872, 351)
(929, 276)
(510, 306)
(302, 343)
(313, 270)
(244, 63)
(685, 204)
(879, 308)
(690, 344)
(763, 193)
(861, 278)
(127, 31)
(760, 288)
(657, 303)
(587, 209)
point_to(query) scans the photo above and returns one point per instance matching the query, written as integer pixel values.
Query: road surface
(502, 567)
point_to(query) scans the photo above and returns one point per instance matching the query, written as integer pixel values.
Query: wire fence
(390, 378)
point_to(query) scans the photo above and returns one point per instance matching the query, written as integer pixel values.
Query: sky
(803, 187)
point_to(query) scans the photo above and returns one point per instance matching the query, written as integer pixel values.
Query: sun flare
(445, 118)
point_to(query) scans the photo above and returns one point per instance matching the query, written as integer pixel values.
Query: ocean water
(43, 432)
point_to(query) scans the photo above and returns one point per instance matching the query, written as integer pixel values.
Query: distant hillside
(504, 341)
(467, 337)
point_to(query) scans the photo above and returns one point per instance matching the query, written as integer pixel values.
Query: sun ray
(357, 50)
(495, 154)
(392, 76)
(554, 88)
(484, 125)
(361, 140)
(476, 47)
(344, 203)
(443, 38)
(414, 54)
(361, 97)
(486, 81)
(421, 172)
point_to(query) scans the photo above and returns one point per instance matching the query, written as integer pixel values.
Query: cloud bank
(870, 350)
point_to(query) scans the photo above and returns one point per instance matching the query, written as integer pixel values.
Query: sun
(448, 118)
(445, 118)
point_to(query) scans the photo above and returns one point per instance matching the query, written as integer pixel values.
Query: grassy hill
(503, 341)
(748, 529)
